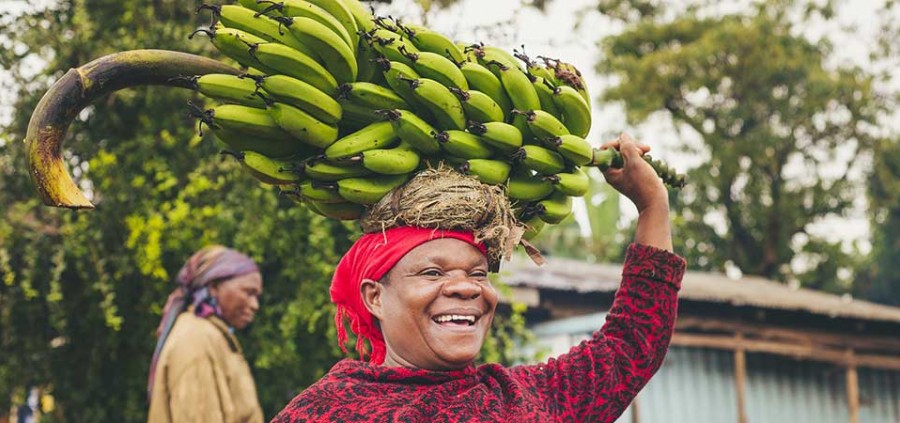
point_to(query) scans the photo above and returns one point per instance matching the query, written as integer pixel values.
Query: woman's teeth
(455, 318)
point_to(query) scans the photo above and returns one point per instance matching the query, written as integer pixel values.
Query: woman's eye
(432, 272)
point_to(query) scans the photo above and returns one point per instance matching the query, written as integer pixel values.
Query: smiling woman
(420, 303)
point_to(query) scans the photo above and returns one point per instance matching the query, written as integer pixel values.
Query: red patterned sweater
(594, 382)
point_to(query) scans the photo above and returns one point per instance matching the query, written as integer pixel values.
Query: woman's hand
(638, 181)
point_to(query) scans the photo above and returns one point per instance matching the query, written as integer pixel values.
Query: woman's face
(435, 307)
(238, 298)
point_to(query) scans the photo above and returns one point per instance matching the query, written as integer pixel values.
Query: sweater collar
(363, 371)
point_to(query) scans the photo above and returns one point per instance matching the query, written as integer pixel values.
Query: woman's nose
(462, 287)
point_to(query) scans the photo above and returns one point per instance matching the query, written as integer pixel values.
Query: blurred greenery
(82, 292)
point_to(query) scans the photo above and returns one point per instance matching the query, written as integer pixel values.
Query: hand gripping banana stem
(611, 158)
(80, 87)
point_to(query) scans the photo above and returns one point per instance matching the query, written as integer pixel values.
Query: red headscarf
(371, 257)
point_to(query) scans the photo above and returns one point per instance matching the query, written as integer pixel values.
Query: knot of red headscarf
(371, 257)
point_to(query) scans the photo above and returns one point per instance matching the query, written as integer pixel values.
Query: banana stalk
(80, 87)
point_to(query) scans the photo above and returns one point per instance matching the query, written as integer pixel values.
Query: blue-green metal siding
(879, 396)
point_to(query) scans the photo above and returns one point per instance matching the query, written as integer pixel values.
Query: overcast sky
(506, 24)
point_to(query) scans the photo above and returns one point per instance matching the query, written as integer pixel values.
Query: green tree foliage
(81, 292)
(782, 130)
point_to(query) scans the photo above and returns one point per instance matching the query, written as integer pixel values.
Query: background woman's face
(437, 305)
(238, 298)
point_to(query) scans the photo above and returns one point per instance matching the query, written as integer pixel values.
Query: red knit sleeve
(596, 380)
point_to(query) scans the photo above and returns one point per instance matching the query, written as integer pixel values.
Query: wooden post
(852, 387)
(635, 411)
(740, 376)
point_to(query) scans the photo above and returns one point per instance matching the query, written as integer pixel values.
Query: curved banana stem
(77, 89)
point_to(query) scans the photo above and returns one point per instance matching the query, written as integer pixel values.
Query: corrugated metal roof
(560, 274)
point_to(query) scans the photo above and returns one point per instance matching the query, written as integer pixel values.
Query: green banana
(248, 120)
(336, 210)
(234, 43)
(311, 190)
(292, 62)
(494, 172)
(414, 131)
(391, 45)
(376, 135)
(575, 112)
(488, 54)
(545, 92)
(326, 171)
(247, 128)
(340, 10)
(478, 106)
(555, 208)
(524, 186)
(265, 27)
(335, 54)
(267, 170)
(303, 126)
(302, 95)
(396, 74)
(540, 159)
(463, 144)
(574, 183)
(366, 62)
(482, 79)
(369, 190)
(439, 68)
(357, 117)
(517, 85)
(399, 160)
(431, 41)
(306, 9)
(543, 124)
(502, 136)
(361, 14)
(230, 88)
(438, 99)
(533, 228)
(568, 74)
(574, 148)
(372, 96)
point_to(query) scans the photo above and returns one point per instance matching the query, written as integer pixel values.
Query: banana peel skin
(81, 86)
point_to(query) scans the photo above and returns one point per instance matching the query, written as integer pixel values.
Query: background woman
(198, 373)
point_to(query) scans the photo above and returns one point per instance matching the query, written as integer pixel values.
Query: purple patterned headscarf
(207, 266)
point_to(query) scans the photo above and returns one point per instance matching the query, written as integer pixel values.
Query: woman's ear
(371, 296)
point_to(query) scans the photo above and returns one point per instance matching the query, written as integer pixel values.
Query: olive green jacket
(202, 376)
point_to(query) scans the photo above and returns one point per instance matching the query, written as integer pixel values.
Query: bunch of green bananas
(338, 107)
